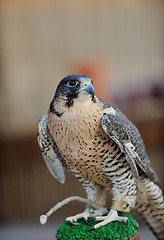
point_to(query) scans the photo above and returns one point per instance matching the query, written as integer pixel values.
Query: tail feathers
(156, 226)
(150, 203)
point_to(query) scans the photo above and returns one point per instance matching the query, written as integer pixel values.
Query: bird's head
(71, 89)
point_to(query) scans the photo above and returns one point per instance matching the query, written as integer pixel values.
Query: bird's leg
(111, 217)
(113, 214)
(124, 198)
(95, 206)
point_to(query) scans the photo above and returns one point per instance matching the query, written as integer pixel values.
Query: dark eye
(72, 83)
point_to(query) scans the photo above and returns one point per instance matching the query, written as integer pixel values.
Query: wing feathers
(50, 151)
(127, 137)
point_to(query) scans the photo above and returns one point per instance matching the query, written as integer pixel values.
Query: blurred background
(120, 44)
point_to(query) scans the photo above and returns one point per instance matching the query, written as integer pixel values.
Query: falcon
(97, 143)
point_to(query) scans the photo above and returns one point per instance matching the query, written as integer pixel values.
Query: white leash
(43, 218)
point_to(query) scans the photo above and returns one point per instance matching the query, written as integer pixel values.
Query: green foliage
(117, 230)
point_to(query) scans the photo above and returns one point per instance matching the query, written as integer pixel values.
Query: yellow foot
(73, 219)
(88, 213)
(111, 217)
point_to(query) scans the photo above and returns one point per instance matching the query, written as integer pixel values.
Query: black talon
(127, 222)
(91, 229)
(72, 223)
(91, 219)
(84, 219)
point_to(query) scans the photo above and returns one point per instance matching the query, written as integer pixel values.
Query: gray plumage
(128, 138)
(50, 151)
(98, 144)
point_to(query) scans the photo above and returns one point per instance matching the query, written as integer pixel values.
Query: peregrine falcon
(97, 143)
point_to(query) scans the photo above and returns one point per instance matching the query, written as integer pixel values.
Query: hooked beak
(88, 88)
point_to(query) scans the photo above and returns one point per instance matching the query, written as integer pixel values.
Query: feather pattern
(97, 143)
(128, 138)
(50, 151)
